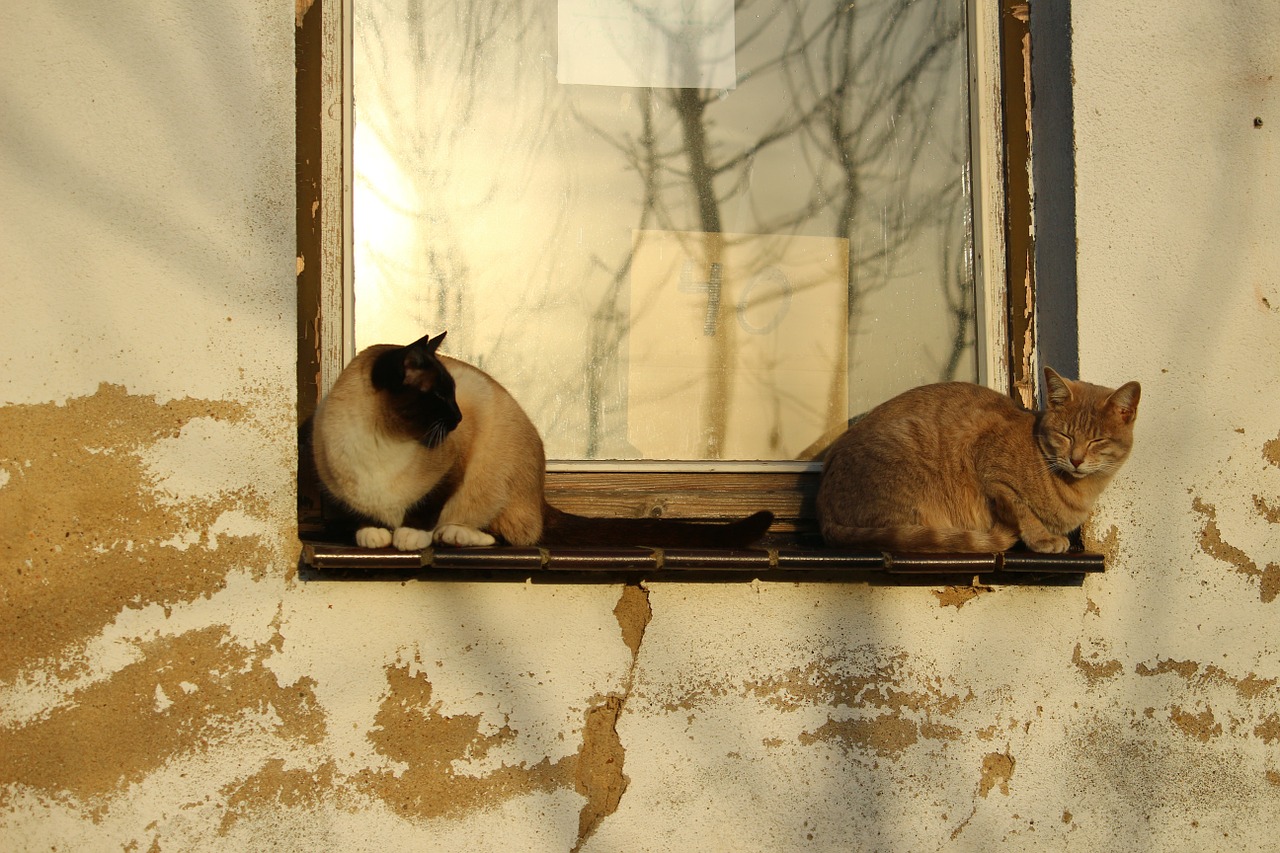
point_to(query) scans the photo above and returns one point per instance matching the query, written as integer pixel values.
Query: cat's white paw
(411, 538)
(461, 536)
(373, 537)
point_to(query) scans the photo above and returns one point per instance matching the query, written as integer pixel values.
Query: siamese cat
(404, 426)
(958, 467)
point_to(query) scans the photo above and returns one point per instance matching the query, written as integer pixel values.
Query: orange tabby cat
(958, 467)
(405, 428)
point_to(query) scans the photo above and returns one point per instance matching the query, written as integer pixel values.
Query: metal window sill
(613, 564)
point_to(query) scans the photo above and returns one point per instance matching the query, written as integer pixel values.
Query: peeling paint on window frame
(1007, 174)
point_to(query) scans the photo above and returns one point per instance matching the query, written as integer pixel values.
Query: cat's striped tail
(916, 538)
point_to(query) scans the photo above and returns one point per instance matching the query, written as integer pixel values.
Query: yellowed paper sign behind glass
(684, 44)
(738, 345)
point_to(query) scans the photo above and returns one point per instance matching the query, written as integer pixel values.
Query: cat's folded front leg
(404, 538)
(462, 536)
(373, 537)
(1031, 530)
(411, 539)
(1045, 542)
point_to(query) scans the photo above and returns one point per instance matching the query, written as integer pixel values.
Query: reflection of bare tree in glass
(848, 121)
(863, 82)
(421, 89)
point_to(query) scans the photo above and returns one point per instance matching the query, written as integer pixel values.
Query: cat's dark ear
(419, 366)
(428, 343)
(1124, 401)
(1057, 389)
(412, 365)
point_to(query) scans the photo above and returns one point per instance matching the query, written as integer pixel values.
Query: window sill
(789, 562)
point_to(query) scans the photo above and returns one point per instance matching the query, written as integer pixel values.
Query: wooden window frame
(1024, 258)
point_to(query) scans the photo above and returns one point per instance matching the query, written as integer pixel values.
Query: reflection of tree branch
(609, 325)
(845, 103)
(855, 76)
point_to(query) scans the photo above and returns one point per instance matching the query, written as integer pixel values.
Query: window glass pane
(656, 272)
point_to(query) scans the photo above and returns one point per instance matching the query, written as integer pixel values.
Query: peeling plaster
(1199, 676)
(116, 733)
(600, 777)
(1271, 451)
(880, 713)
(86, 514)
(275, 787)
(424, 747)
(1106, 543)
(1093, 669)
(1202, 726)
(167, 683)
(997, 770)
(959, 596)
(1212, 543)
(1271, 514)
(300, 9)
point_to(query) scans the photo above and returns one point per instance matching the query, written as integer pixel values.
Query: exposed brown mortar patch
(997, 770)
(599, 775)
(1269, 583)
(1201, 726)
(409, 728)
(273, 787)
(1271, 514)
(187, 693)
(1212, 543)
(1269, 729)
(1095, 671)
(1271, 451)
(959, 596)
(82, 522)
(886, 735)
(899, 708)
(1108, 544)
(633, 613)
(1196, 675)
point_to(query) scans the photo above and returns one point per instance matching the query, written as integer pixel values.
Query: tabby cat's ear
(1058, 390)
(1124, 400)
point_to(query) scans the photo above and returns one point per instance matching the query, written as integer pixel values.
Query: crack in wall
(600, 777)
(997, 770)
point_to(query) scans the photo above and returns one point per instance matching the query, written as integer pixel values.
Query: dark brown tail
(563, 528)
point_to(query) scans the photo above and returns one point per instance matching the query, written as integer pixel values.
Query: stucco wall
(168, 683)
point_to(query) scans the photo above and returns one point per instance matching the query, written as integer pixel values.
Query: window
(692, 238)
